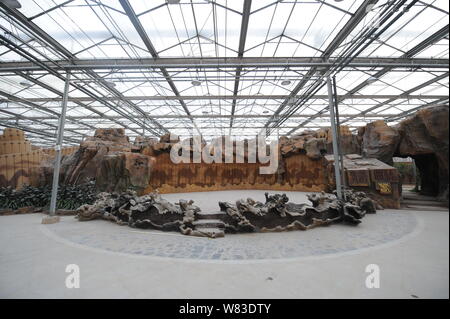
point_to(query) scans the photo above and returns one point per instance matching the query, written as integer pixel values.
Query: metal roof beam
(351, 24)
(78, 100)
(437, 36)
(144, 37)
(364, 38)
(399, 116)
(236, 127)
(32, 105)
(421, 86)
(416, 88)
(45, 135)
(60, 49)
(242, 39)
(27, 129)
(221, 62)
(202, 116)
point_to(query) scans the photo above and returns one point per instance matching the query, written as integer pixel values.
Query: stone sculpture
(276, 214)
(148, 211)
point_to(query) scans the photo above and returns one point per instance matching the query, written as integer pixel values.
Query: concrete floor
(33, 260)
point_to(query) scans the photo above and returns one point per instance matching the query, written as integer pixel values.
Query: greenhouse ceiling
(220, 67)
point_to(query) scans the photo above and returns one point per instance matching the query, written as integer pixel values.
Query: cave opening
(428, 167)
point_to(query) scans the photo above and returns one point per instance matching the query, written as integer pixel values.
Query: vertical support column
(338, 129)
(337, 173)
(59, 139)
(143, 129)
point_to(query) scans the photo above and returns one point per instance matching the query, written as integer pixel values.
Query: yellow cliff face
(13, 141)
(19, 158)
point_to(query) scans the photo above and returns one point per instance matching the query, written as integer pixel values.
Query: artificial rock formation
(13, 141)
(141, 142)
(153, 147)
(123, 170)
(424, 136)
(317, 143)
(306, 142)
(109, 158)
(276, 214)
(148, 211)
(82, 165)
(312, 143)
(21, 162)
(17, 158)
(379, 141)
(348, 142)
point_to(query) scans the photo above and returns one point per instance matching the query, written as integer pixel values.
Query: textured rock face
(142, 142)
(349, 143)
(121, 171)
(307, 142)
(317, 143)
(379, 141)
(153, 147)
(425, 137)
(106, 157)
(19, 159)
(169, 138)
(83, 164)
(314, 148)
(312, 143)
(116, 135)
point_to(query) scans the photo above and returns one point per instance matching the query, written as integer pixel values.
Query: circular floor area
(377, 229)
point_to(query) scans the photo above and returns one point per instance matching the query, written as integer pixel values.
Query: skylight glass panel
(438, 50)
(195, 29)
(61, 25)
(417, 28)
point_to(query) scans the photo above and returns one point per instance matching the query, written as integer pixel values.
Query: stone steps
(434, 203)
(210, 224)
(415, 196)
(213, 215)
(425, 208)
(415, 201)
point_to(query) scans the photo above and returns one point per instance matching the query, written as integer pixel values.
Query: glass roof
(218, 67)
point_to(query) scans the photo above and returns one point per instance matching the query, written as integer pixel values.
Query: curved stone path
(384, 227)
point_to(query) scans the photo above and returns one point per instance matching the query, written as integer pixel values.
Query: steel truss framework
(217, 67)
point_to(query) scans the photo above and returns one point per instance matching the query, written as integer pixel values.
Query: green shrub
(69, 196)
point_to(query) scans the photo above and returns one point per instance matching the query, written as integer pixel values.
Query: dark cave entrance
(428, 167)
